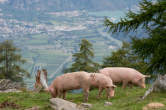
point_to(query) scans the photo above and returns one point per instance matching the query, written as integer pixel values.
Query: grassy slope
(127, 99)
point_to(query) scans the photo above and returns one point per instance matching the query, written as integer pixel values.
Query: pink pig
(102, 82)
(76, 80)
(125, 75)
(70, 81)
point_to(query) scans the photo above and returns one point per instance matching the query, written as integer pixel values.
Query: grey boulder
(60, 104)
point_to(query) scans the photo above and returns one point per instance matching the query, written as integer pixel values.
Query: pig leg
(130, 85)
(64, 94)
(53, 95)
(108, 90)
(100, 91)
(124, 84)
(59, 93)
(112, 92)
(86, 94)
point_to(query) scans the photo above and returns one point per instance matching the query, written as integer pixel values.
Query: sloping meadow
(125, 99)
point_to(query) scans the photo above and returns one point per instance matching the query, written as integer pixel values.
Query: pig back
(72, 80)
(100, 80)
(119, 74)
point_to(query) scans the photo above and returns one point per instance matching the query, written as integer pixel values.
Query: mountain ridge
(64, 5)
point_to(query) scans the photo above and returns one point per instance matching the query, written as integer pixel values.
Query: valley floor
(125, 99)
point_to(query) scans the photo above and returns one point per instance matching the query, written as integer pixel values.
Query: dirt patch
(7, 104)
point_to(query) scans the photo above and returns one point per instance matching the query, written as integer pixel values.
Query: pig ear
(138, 79)
(93, 76)
(114, 86)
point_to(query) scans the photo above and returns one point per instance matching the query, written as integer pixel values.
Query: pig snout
(52, 92)
(143, 86)
(112, 92)
(142, 83)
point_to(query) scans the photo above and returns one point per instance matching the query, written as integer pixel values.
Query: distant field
(40, 36)
(44, 45)
(115, 14)
(52, 55)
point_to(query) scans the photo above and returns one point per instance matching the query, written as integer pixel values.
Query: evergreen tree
(152, 17)
(10, 61)
(83, 59)
(124, 57)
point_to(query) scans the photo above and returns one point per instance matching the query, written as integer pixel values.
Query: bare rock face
(60, 104)
(153, 105)
(158, 86)
(6, 84)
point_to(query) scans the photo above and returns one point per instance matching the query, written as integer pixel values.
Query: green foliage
(153, 50)
(83, 59)
(149, 13)
(10, 61)
(152, 17)
(124, 57)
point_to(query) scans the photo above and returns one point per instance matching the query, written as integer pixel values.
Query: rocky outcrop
(158, 86)
(60, 104)
(9, 86)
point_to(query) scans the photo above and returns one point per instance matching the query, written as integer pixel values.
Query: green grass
(27, 100)
(125, 99)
